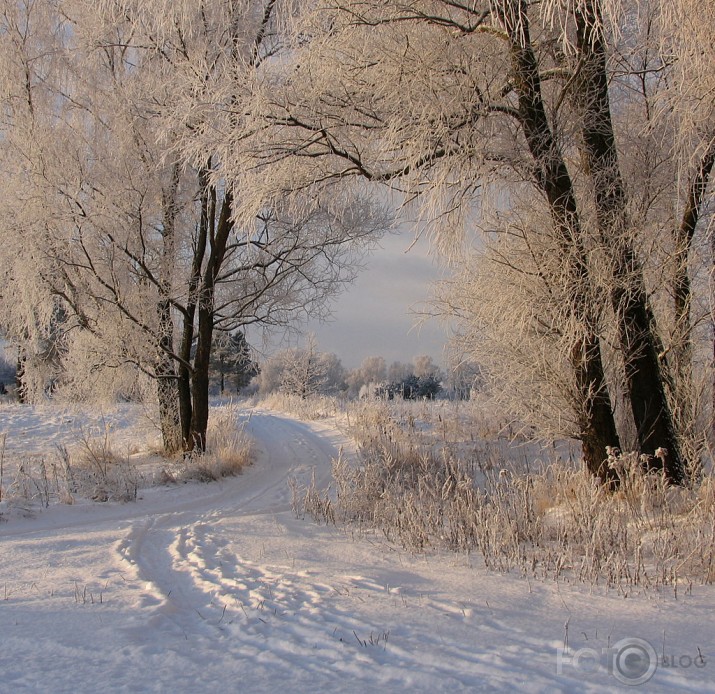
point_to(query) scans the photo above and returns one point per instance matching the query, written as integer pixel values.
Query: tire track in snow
(190, 579)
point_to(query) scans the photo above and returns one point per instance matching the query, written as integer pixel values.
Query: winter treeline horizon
(305, 370)
(174, 171)
(237, 369)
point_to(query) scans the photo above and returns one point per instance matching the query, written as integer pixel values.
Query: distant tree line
(306, 371)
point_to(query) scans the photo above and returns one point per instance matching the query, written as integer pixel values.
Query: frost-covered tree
(334, 379)
(424, 366)
(91, 206)
(287, 256)
(525, 109)
(302, 371)
(422, 380)
(464, 377)
(119, 209)
(687, 108)
(398, 371)
(371, 372)
(231, 358)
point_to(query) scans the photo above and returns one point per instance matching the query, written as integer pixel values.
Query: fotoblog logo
(631, 661)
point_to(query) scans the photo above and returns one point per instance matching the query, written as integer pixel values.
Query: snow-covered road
(218, 588)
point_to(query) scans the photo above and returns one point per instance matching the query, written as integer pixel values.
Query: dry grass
(545, 520)
(228, 452)
(93, 471)
(312, 501)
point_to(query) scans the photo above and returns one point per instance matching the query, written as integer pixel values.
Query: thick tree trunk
(167, 393)
(712, 363)
(165, 370)
(184, 382)
(200, 376)
(596, 420)
(645, 378)
(206, 222)
(20, 385)
(594, 410)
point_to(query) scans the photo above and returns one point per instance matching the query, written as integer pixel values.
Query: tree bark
(594, 409)
(645, 377)
(200, 377)
(184, 382)
(206, 221)
(167, 393)
(166, 382)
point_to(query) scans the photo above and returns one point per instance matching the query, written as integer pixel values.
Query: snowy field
(219, 588)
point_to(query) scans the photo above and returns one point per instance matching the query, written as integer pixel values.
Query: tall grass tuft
(546, 520)
(228, 452)
(92, 471)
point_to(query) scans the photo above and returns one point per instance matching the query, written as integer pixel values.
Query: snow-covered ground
(219, 588)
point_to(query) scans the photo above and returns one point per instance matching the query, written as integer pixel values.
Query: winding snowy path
(218, 588)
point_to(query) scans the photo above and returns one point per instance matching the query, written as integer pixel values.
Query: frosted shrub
(415, 495)
(228, 452)
(91, 472)
(556, 522)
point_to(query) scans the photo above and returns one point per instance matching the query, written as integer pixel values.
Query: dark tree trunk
(645, 380)
(20, 385)
(206, 222)
(596, 420)
(194, 381)
(202, 359)
(184, 386)
(645, 377)
(200, 379)
(594, 409)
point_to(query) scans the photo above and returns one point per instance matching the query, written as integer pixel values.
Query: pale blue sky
(372, 317)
